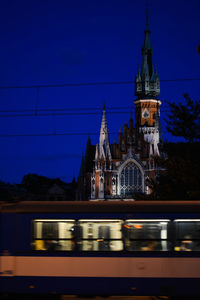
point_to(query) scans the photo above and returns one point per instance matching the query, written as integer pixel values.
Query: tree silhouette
(184, 119)
(180, 176)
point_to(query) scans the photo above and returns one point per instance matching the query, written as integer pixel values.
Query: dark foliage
(184, 119)
(179, 178)
(34, 183)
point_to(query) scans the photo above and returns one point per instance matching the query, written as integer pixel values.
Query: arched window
(130, 179)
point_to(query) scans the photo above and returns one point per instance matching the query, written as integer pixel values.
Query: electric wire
(53, 134)
(89, 84)
(65, 114)
(69, 111)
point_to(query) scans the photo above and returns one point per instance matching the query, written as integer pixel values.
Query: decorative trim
(131, 156)
(147, 100)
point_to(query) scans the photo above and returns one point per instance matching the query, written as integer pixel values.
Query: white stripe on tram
(100, 267)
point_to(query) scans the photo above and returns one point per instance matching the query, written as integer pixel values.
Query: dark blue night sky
(51, 42)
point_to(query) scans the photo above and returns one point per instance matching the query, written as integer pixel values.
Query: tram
(100, 248)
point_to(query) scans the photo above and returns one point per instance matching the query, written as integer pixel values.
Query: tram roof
(112, 206)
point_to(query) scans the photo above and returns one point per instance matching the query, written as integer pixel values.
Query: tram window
(53, 235)
(187, 235)
(99, 235)
(146, 235)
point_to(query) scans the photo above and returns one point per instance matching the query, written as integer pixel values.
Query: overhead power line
(36, 114)
(68, 109)
(89, 84)
(51, 134)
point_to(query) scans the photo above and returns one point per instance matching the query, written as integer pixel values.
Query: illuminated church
(122, 170)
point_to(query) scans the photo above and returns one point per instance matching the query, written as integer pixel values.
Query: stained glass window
(130, 179)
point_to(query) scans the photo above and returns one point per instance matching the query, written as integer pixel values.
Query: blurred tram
(100, 248)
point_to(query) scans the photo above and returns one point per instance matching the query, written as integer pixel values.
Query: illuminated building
(124, 169)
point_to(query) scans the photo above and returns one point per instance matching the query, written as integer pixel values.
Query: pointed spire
(104, 127)
(88, 142)
(147, 66)
(82, 168)
(138, 70)
(120, 136)
(143, 88)
(147, 43)
(147, 19)
(131, 123)
(138, 76)
(104, 145)
(104, 106)
(125, 129)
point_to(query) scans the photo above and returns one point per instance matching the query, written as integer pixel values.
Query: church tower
(124, 169)
(147, 90)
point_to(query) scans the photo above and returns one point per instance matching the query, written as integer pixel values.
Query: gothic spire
(147, 19)
(104, 145)
(147, 67)
(147, 83)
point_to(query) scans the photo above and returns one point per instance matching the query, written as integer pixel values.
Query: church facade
(124, 168)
